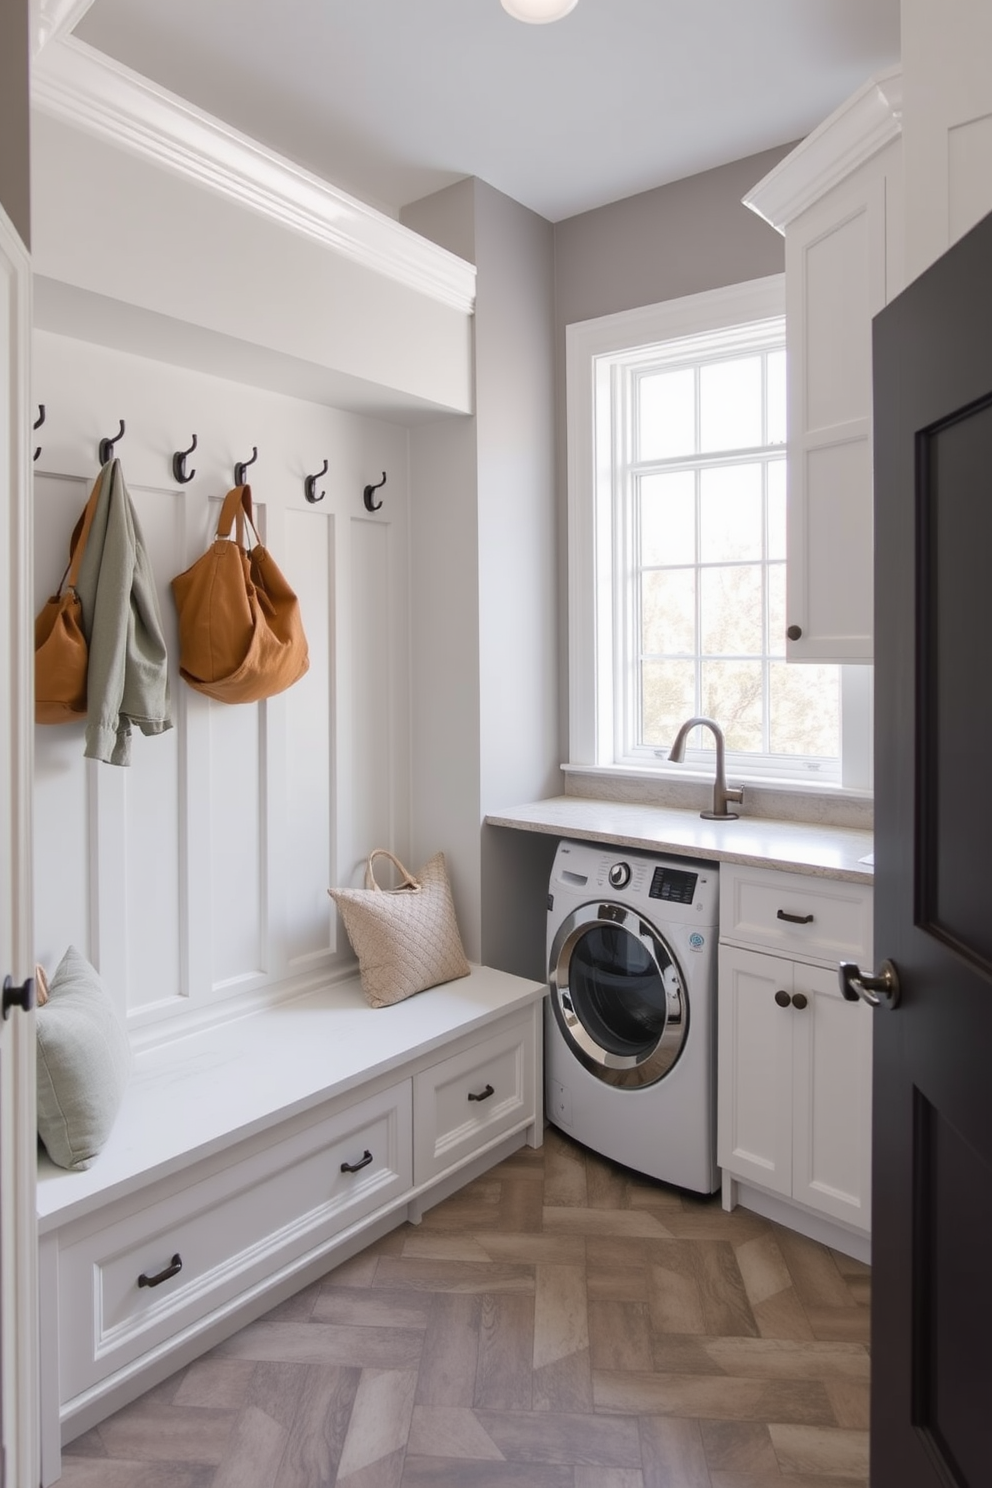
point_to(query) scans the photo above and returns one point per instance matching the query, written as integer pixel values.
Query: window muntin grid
(699, 545)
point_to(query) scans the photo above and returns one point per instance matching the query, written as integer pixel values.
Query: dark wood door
(932, 1144)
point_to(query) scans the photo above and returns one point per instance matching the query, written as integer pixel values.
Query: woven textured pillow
(406, 939)
(84, 1061)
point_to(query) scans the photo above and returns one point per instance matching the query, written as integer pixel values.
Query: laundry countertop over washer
(806, 847)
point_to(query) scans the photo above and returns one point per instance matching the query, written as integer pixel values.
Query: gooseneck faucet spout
(722, 792)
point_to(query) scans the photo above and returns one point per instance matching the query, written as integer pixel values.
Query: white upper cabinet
(838, 200)
(947, 68)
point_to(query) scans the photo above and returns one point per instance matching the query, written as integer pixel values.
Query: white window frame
(591, 348)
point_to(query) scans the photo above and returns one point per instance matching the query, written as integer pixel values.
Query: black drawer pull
(173, 1269)
(484, 1096)
(354, 1167)
(795, 919)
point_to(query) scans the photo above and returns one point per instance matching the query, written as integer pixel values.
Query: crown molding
(853, 134)
(89, 90)
(52, 19)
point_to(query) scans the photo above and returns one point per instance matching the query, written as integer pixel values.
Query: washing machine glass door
(618, 995)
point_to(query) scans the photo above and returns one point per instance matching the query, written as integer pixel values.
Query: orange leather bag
(240, 632)
(61, 655)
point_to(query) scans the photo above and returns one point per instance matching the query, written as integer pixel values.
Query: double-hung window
(677, 548)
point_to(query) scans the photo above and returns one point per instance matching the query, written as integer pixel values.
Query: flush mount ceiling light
(537, 12)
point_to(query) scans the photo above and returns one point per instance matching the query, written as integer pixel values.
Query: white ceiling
(393, 99)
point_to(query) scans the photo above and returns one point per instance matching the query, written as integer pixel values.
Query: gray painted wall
(680, 239)
(483, 557)
(515, 400)
(15, 175)
(488, 512)
(676, 240)
(446, 218)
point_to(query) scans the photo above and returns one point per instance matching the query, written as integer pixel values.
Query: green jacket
(127, 680)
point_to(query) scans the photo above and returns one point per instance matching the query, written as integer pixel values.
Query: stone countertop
(807, 847)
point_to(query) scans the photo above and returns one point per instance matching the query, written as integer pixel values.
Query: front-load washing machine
(630, 1047)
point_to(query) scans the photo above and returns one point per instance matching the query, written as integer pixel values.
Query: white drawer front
(814, 919)
(230, 1230)
(472, 1098)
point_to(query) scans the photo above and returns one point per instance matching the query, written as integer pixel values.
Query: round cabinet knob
(22, 996)
(795, 632)
(800, 1000)
(782, 998)
(619, 875)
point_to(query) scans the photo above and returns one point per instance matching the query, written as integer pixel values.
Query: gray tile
(557, 1437)
(446, 1472)
(150, 1432)
(325, 1343)
(91, 1472)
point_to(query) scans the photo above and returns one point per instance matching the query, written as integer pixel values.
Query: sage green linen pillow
(84, 1063)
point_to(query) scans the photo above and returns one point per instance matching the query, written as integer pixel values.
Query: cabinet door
(831, 1154)
(754, 1102)
(837, 269)
(947, 123)
(468, 1101)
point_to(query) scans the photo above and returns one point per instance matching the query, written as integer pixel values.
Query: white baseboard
(794, 1216)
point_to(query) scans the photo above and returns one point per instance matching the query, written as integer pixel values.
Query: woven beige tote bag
(406, 939)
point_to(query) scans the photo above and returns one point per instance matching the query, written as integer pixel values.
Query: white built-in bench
(250, 1157)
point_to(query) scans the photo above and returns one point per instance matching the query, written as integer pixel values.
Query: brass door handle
(881, 991)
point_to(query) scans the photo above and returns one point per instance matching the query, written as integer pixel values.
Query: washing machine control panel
(673, 884)
(619, 875)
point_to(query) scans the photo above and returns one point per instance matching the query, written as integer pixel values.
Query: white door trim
(19, 1356)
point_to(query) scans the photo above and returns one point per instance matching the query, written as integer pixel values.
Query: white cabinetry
(794, 1104)
(137, 1274)
(250, 1158)
(472, 1098)
(947, 123)
(838, 200)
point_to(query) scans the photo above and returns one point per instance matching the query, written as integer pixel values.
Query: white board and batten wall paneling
(200, 873)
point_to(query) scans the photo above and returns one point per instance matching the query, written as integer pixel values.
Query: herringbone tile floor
(560, 1323)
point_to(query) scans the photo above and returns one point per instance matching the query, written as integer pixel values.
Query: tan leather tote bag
(61, 656)
(240, 632)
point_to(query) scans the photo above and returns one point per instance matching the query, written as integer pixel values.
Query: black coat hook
(242, 466)
(179, 464)
(310, 485)
(371, 505)
(37, 425)
(107, 445)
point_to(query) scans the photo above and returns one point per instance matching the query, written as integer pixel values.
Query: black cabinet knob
(22, 996)
(795, 632)
(782, 998)
(800, 1000)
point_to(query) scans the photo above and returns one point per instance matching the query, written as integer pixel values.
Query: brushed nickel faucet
(722, 792)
